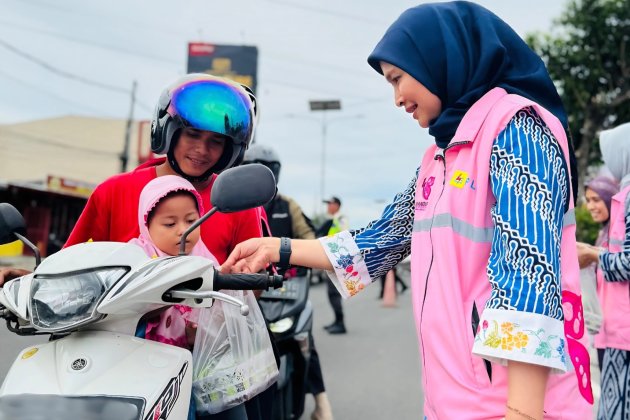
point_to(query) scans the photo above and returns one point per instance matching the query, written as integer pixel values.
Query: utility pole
(324, 106)
(124, 156)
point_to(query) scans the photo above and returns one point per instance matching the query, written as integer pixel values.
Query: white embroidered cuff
(351, 274)
(525, 337)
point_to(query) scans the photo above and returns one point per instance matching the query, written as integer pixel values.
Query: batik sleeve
(523, 318)
(360, 256)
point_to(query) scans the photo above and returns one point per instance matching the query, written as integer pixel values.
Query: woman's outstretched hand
(252, 255)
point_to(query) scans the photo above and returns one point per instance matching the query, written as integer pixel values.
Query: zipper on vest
(438, 155)
(459, 143)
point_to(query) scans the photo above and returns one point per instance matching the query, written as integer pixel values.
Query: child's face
(197, 151)
(596, 206)
(171, 218)
(411, 94)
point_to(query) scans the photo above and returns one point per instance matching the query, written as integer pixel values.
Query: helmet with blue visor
(209, 103)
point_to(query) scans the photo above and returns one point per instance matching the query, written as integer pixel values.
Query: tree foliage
(587, 54)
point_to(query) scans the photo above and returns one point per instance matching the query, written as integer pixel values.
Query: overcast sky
(307, 50)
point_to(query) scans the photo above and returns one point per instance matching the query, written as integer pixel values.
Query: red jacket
(111, 214)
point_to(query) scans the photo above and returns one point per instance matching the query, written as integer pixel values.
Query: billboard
(235, 62)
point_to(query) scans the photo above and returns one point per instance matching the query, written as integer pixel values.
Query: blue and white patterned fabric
(530, 181)
(387, 241)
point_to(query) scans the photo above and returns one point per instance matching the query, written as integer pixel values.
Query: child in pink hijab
(168, 206)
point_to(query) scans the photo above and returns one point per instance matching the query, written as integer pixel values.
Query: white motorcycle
(89, 299)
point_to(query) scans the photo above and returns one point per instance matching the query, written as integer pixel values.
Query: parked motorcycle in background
(289, 315)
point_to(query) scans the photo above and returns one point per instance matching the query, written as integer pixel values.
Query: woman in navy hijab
(488, 221)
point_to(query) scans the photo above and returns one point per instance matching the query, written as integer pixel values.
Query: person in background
(286, 218)
(487, 220)
(614, 264)
(598, 194)
(397, 279)
(335, 223)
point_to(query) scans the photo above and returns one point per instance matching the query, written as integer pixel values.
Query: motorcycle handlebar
(242, 281)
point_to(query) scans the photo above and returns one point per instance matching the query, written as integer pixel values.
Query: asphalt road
(372, 372)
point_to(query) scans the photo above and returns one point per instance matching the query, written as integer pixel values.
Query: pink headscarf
(170, 328)
(606, 188)
(150, 196)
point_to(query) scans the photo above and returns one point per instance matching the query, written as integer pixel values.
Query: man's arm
(301, 229)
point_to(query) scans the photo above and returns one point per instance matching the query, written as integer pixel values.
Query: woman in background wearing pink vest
(488, 220)
(598, 194)
(614, 267)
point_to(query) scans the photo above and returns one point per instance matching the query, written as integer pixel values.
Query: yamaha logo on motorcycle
(79, 364)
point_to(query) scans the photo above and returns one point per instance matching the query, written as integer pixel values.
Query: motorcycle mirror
(13, 227)
(236, 189)
(243, 187)
(11, 222)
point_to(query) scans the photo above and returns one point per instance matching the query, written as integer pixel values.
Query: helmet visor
(214, 105)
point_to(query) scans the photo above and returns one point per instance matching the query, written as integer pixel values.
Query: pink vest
(599, 340)
(616, 295)
(451, 246)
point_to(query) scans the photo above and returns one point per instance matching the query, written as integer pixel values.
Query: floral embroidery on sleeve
(499, 339)
(350, 274)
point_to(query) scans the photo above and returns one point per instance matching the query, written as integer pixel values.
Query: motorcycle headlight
(64, 301)
(281, 325)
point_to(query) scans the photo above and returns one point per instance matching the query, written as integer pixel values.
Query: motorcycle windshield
(58, 407)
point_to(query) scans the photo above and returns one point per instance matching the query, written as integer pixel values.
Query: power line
(141, 23)
(277, 57)
(46, 92)
(63, 73)
(68, 75)
(56, 143)
(273, 56)
(330, 12)
(329, 67)
(89, 42)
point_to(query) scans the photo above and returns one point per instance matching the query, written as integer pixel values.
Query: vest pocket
(474, 321)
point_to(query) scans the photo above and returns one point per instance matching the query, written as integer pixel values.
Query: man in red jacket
(203, 124)
(199, 142)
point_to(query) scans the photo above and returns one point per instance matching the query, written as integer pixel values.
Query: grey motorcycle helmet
(265, 155)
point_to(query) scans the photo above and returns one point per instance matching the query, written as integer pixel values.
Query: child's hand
(191, 332)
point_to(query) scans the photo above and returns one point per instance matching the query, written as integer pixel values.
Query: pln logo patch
(459, 179)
